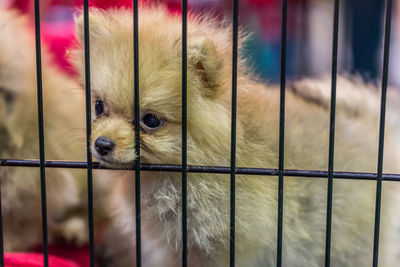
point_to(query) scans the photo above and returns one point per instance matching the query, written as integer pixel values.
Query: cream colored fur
(64, 140)
(209, 120)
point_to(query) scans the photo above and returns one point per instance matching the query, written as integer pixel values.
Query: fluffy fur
(64, 139)
(209, 120)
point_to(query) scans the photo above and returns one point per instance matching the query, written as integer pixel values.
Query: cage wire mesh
(281, 172)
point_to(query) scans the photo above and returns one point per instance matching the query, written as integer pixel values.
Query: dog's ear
(98, 25)
(204, 61)
(100, 35)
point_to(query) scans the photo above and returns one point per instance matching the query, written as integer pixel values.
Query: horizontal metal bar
(205, 169)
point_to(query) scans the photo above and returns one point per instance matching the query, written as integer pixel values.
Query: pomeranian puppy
(209, 122)
(64, 138)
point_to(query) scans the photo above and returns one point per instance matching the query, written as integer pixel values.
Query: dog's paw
(74, 231)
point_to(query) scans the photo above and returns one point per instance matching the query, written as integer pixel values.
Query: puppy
(64, 139)
(209, 121)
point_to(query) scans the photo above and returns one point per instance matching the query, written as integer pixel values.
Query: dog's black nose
(103, 145)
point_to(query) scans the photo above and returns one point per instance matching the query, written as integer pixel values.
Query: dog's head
(160, 85)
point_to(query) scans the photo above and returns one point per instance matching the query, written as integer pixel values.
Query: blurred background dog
(64, 130)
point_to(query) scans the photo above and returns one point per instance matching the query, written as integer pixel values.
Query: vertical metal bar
(88, 130)
(332, 134)
(233, 131)
(184, 133)
(137, 131)
(281, 133)
(41, 132)
(382, 130)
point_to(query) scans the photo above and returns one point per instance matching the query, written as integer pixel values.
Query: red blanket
(34, 260)
(59, 256)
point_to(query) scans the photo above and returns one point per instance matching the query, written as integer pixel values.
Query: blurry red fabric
(59, 37)
(34, 260)
(104, 4)
(173, 6)
(77, 255)
(22, 5)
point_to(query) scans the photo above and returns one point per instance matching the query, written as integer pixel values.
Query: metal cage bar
(394, 177)
(233, 132)
(184, 133)
(281, 134)
(137, 131)
(41, 132)
(332, 134)
(88, 131)
(382, 131)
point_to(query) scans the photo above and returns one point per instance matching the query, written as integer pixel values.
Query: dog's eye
(151, 121)
(99, 107)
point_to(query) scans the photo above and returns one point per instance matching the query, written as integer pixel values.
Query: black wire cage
(330, 174)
